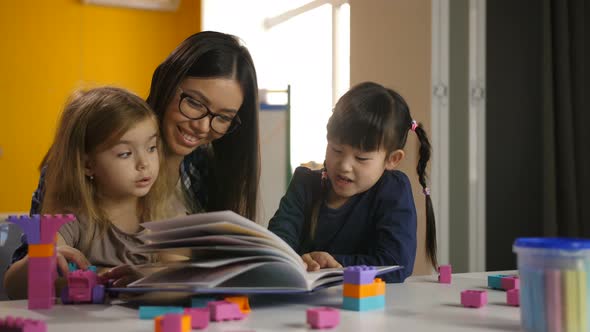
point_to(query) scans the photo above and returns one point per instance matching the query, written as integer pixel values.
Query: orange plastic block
(360, 291)
(41, 250)
(241, 301)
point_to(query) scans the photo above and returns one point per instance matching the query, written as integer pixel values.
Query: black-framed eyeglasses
(195, 110)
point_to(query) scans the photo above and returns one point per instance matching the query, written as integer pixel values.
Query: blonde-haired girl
(104, 166)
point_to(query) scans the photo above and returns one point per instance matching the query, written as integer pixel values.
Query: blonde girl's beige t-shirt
(109, 249)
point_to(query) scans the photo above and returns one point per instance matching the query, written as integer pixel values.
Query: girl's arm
(289, 219)
(16, 277)
(395, 231)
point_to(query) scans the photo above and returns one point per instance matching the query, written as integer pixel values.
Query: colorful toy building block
(495, 281)
(151, 312)
(359, 274)
(41, 233)
(474, 298)
(241, 301)
(201, 302)
(31, 226)
(199, 317)
(363, 304)
(508, 283)
(323, 317)
(19, 324)
(224, 310)
(367, 290)
(172, 323)
(41, 250)
(513, 297)
(83, 287)
(444, 274)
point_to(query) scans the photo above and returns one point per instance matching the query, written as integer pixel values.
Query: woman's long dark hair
(370, 116)
(234, 166)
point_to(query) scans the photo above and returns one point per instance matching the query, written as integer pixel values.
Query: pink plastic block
(359, 274)
(474, 298)
(224, 310)
(511, 282)
(29, 225)
(199, 317)
(444, 274)
(323, 317)
(41, 282)
(50, 224)
(512, 297)
(22, 324)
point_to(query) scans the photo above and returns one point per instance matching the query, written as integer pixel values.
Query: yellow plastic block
(185, 323)
(41, 250)
(361, 291)
(158, 324)
(241, 301)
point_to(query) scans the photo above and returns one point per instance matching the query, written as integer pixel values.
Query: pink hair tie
(414, 125)
(426, 191)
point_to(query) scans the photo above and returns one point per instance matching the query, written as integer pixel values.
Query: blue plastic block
(495, 281)
(359, 274)
(72, 266)
(31, 226)
(201, 302)
(363, 304)
(151, 312)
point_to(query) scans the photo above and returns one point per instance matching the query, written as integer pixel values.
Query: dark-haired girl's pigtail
(317, 203)
(424, 153)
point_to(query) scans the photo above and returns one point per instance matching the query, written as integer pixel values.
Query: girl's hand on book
(121, 275)
(316, 260)
(67, 254)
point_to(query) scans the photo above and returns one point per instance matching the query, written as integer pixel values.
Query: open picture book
(227, 254)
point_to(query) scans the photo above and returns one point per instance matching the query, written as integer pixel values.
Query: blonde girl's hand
(316, 260)
(67, 254)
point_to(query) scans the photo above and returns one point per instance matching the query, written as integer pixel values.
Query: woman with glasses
(205, 95)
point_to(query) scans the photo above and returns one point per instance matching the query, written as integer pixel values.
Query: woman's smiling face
(221, 96)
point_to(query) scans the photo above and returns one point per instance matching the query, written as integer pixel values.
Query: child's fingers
(119, 271)
(62, 265)
(312, 265)
(74, 255)
(124, 281)
(324, 259)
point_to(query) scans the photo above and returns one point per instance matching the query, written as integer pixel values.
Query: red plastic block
(172, 323)
(224, 310)
(474, 298)
(199, 317)
(42, 273)
(511, 282)
(359, 274)
(323, 317)
(444, 274)
(513, 297)
(83, 287)
(20, 324)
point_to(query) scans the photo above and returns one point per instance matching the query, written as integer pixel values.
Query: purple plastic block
(172, 322)
(444, 274)
(30, 226)
(513, 297)
(474, 298)
(323, 317)
(22, 324)
(511, 282)
(50, 224)
(199, 317)
(359, 274)
(224, 310)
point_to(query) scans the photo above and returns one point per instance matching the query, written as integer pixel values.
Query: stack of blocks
(362, 291)
(41, 233)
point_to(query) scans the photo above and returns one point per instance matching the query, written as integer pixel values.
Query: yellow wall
(48, 49)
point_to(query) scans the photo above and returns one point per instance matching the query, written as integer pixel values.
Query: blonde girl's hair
(93, 121)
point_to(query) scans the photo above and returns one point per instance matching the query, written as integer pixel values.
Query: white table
(420, 304)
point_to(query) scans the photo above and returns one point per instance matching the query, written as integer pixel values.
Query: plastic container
(554, 284)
